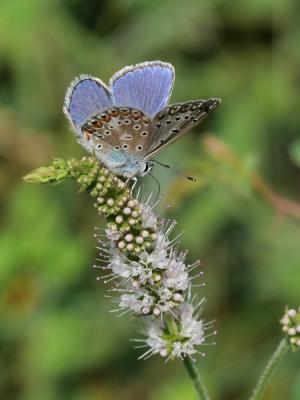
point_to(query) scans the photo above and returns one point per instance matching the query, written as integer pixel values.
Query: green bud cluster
(123, 213)
(291, 326)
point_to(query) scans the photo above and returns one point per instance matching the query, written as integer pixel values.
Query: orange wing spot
(107, 118)
(87, 135)
(113, 112)
(124, 111)
(136, 114)
(98, 124)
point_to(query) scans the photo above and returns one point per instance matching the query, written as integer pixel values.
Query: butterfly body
(127, 124)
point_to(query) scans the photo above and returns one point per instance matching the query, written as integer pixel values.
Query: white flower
(139, 302)
(119, 266)
(190, 333)
(148, 217)
(112, 234)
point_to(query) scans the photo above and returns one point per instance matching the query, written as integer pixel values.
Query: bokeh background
(242, 219)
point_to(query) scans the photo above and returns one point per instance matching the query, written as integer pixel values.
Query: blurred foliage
(57, 338)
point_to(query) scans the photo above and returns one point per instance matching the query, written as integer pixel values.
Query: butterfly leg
(134, 179)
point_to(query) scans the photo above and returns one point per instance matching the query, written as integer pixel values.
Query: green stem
(195, 376)
(270, 369)
(188, 363)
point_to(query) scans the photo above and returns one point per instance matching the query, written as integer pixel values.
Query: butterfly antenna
(178, 173)
(158, 187)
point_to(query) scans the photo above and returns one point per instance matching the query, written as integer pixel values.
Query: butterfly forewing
(146, 86)
(173, 121)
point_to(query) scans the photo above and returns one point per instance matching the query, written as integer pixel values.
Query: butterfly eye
(147, 168)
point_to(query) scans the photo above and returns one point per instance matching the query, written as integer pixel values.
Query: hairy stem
(195, 376)
(188, 363)
(270, 369)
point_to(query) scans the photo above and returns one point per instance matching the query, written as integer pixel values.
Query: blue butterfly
(126, 123)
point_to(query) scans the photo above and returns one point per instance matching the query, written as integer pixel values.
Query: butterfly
(128, 122)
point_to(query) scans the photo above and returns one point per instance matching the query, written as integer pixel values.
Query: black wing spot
(125, 146)
(99, 146)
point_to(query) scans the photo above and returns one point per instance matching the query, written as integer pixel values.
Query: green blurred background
(57, 337)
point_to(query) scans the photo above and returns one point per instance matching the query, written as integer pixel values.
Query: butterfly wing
(118, 136)
(85, 97)
(146, 86)
(175, 120)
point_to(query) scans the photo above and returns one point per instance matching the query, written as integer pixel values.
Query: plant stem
(188, 363)
(195, 376)
(270, 369)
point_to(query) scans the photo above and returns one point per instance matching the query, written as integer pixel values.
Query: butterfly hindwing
(123, 129)
(175, 120)
(86, 97)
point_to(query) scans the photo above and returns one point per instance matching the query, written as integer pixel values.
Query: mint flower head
(180, 339)
(148, 275)
(291, 326)
(153, 281)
